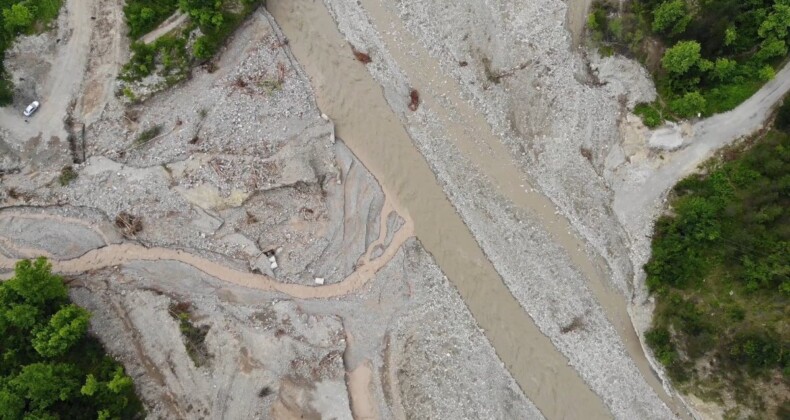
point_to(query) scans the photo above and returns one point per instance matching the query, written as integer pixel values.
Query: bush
(194, 337)
(651, 116)
(148, 134)
(689, 105)
(67, 174)
(659, 340)
(143, 16)
(757, 349)
(203, 48)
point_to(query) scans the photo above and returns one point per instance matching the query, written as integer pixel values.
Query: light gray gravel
(542, 278)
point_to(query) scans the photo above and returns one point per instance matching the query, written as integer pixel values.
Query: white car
(31, 109)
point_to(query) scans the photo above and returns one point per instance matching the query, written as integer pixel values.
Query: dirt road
(168, 25)
(63, 82)
(708, 136)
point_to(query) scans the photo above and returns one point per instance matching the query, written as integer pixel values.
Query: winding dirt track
(168, 25)
(709, 136)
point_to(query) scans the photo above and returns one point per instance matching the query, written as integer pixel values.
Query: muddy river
(347, 93)
(364, 121)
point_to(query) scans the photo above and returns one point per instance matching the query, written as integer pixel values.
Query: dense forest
(21, 17)
(720, 271)
(705, 56)
(51, 367)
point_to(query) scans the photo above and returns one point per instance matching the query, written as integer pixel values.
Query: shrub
(659, 340)
(148, 134)
(757, 349)
(142, 16)
(194, 337)
(67, 174)
(691, 104)
(651, 116)
(203, 48)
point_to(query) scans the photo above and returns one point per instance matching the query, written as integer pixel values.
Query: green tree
(681, 57)
(41, 384)
(50, 367)
(766, 73)
(730, 35)
(688, 105)
(671, 17)
(17, 18)
(777, 23)
(11, 405)
(35, 284)
(203, 48)
(771, 48)
(724, 69)
(65, 328)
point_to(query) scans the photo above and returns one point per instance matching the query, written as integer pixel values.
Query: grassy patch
(148, 134)
(651, 114)
(721, 275)
(727, 97)
(67, 174)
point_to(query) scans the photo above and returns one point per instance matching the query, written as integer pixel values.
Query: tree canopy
(20, 17)
(723, 50)
(51, 367)
(682, 57)
(721, 275)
